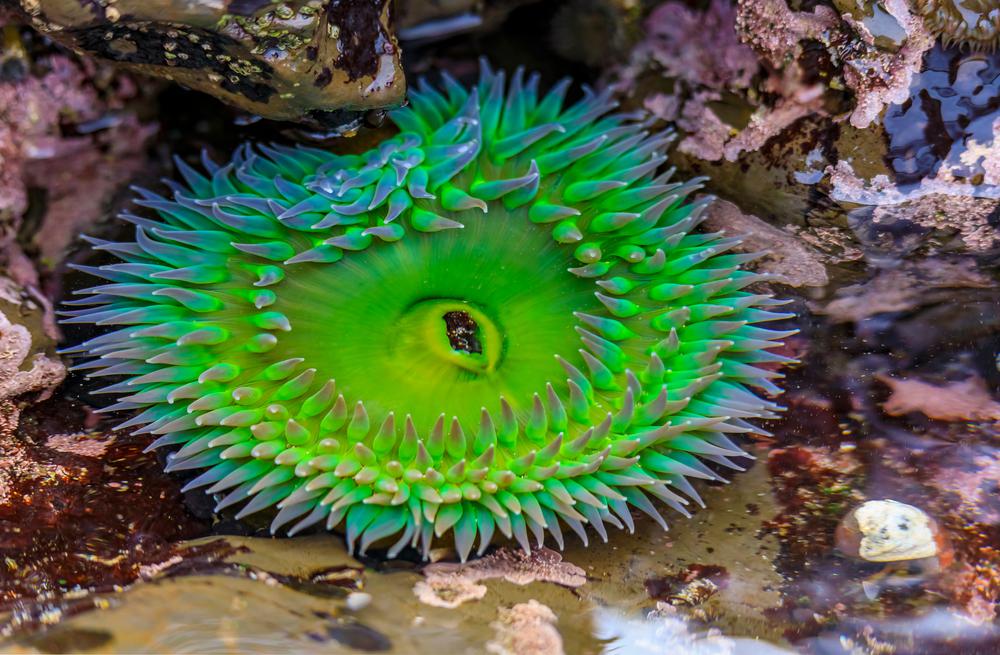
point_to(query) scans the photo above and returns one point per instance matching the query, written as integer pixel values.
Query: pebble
(887, 531)
(358, 600)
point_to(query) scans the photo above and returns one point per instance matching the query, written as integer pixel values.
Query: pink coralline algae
(776, 32)
(700, 47)
(447, 584)
(704, 54)
(876, 76)
(62, 134)
(743, 73)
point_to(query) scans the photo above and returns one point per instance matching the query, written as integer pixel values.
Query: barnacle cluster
(314, 61)
(498, 319)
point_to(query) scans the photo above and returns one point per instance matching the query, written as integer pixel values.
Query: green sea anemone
(968, 23)
(498, 319)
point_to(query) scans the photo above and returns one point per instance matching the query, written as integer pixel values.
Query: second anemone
(499, 319)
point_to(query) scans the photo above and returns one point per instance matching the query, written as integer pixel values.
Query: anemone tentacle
(498, 320)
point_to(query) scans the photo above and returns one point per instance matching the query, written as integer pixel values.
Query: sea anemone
(498, 319)
(971, 23)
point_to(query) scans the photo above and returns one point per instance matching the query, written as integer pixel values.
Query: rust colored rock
(323, 62)
(81, 511)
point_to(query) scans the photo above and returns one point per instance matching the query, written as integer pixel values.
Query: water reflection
(665, 632)
(914, 634)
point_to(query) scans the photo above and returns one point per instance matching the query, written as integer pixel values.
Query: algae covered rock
(315, 61)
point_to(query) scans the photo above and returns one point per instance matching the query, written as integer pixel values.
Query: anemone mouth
(388, 319)
(498, 320)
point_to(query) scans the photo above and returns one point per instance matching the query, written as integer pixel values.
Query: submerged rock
(526, 629)
(449, 585)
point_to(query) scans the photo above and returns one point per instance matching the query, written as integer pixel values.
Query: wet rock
(667, 629)
(926, 224)
(354, 635)
(317, 61)
(905, 288)
(915, 158)
(758, 129)
(947, 120)
(28, 365)
(700, 48)
(937, 178)
(79, 513)
(67, 640)
(815, 486)
(358, 600)
(877, 75)
(448, 592)
(958, 483)
(334, 582)
(788, 258)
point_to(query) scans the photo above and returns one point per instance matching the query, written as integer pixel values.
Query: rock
(963, 400)
(447, 584)
(70, 140)
(28, 364)
(905, 288)
(358, 600)
(888, 531)
(788, 258)
(323, 62)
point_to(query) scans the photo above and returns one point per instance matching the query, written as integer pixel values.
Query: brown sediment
(70, 520)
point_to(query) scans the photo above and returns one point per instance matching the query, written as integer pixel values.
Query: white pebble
(893, 531)
(358, 600)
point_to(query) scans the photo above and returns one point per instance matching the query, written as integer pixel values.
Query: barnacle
(498, 319)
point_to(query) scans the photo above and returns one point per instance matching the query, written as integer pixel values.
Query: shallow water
(219, 608)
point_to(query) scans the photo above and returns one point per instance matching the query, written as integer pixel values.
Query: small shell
(889, 531)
